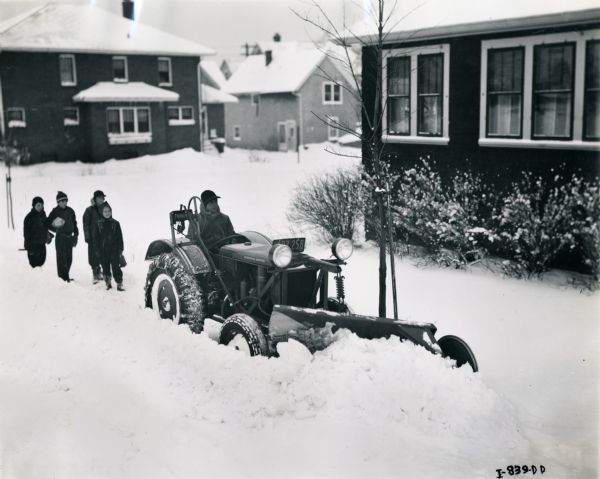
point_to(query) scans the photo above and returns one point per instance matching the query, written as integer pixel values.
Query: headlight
(342, 248)
(280, 255)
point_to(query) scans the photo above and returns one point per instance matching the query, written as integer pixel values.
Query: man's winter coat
(108, 238)
(70, 226)
(91, 215)
(34, 229)
(214, 227)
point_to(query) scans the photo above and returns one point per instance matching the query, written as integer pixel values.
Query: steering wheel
(195, 201)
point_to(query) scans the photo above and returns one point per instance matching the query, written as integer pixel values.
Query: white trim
(129, 138)
(16, 123)
(237, 137)
(330, 128)
(332, 84)
(413, 53)
(73, 68)
(134, 136)
(550, 144)
(580, 38)
(69, 121)
(255, 99)
(180, 121)
(170, 82)
(120, 80)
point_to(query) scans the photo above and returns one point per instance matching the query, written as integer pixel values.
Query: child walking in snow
(108, 239)
(35, 233)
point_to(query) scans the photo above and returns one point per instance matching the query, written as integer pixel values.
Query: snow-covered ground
(92, 385)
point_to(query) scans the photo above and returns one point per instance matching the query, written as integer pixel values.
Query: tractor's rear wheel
(456, 348)
(174, 293)
(242, 332)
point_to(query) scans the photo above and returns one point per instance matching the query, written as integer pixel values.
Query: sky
(223, 25)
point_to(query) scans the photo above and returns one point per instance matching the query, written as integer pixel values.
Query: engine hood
(248, 252)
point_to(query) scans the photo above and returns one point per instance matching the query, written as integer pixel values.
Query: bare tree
(371, 104)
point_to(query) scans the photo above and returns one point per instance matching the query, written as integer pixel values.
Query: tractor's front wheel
(242, 332)
(174, 293)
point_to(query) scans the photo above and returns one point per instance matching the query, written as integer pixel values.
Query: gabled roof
(105, 91)
(211, 96)
(292, 63)
(433, 19)
(84, 28)
(214, 74)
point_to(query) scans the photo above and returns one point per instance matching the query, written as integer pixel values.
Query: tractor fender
(190, 255)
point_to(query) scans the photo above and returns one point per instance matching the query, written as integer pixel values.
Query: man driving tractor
(214, 225)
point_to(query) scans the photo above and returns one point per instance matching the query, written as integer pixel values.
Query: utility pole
(246, 47)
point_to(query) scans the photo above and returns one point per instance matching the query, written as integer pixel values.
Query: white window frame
(332, 85)
(255, 98)
(333, 133)
(120, 80)
(237, 132)
(168, 60)
(68, 121)
(580, 38)
(413, 53)
(68, 83)
(180, 120)
(130, 137)
(16, 123)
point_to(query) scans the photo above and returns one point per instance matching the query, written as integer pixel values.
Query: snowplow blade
(310, 327)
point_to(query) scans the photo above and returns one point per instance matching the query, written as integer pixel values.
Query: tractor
(266, 291)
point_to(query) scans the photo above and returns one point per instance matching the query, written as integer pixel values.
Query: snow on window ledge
(16, 124)
(548, 144)
(418, 140)
(68, 83)
(182, 122)
(165, 84)
(70, 122)
(129, 138)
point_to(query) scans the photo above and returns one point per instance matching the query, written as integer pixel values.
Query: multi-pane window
(181, 115)
(553, 75)
(332, 93)
(237, 132)
(66, 65)
(430, 89)
(71, 116)
(505, 92)
(591, 120)
(16, 117)
(131, 123)
(119, 68)
(332, 131)
(398, 95)
(164, 72)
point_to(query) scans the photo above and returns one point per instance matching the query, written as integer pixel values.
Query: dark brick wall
(216, 119)
(499, 165)
(31, 80)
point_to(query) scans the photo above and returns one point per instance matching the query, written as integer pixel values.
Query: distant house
(481, 87)
(213, 101)
(281, 92)
(80, 83)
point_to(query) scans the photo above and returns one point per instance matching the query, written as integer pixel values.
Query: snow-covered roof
(432, 19)
(212, 70)
(292, 63)
(84, 28)
(133, 91)
(211, 95)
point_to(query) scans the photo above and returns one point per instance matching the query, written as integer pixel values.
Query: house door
(286, 133)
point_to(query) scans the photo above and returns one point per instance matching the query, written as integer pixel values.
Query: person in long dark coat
(35, 233)
(90, 217)
(214, 225)
(63, 221)
(108, 238)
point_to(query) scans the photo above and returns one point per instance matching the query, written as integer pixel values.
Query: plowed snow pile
(93, 385)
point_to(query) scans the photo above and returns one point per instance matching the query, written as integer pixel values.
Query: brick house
(496, 88)
(70, 91)
(280, 93)
(213, 101)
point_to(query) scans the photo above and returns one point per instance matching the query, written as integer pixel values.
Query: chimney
(277, 37)
(128, 9)
(268, 57)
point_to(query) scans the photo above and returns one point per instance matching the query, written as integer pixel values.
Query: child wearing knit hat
(35, 233)
(63, 221)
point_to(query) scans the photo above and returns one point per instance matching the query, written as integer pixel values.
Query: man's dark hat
(36, 200)
(207, 196)
(99, 193)
(61, 196)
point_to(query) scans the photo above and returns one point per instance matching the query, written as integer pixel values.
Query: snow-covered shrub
(446, 219)
(333, 203)
(533, 224)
